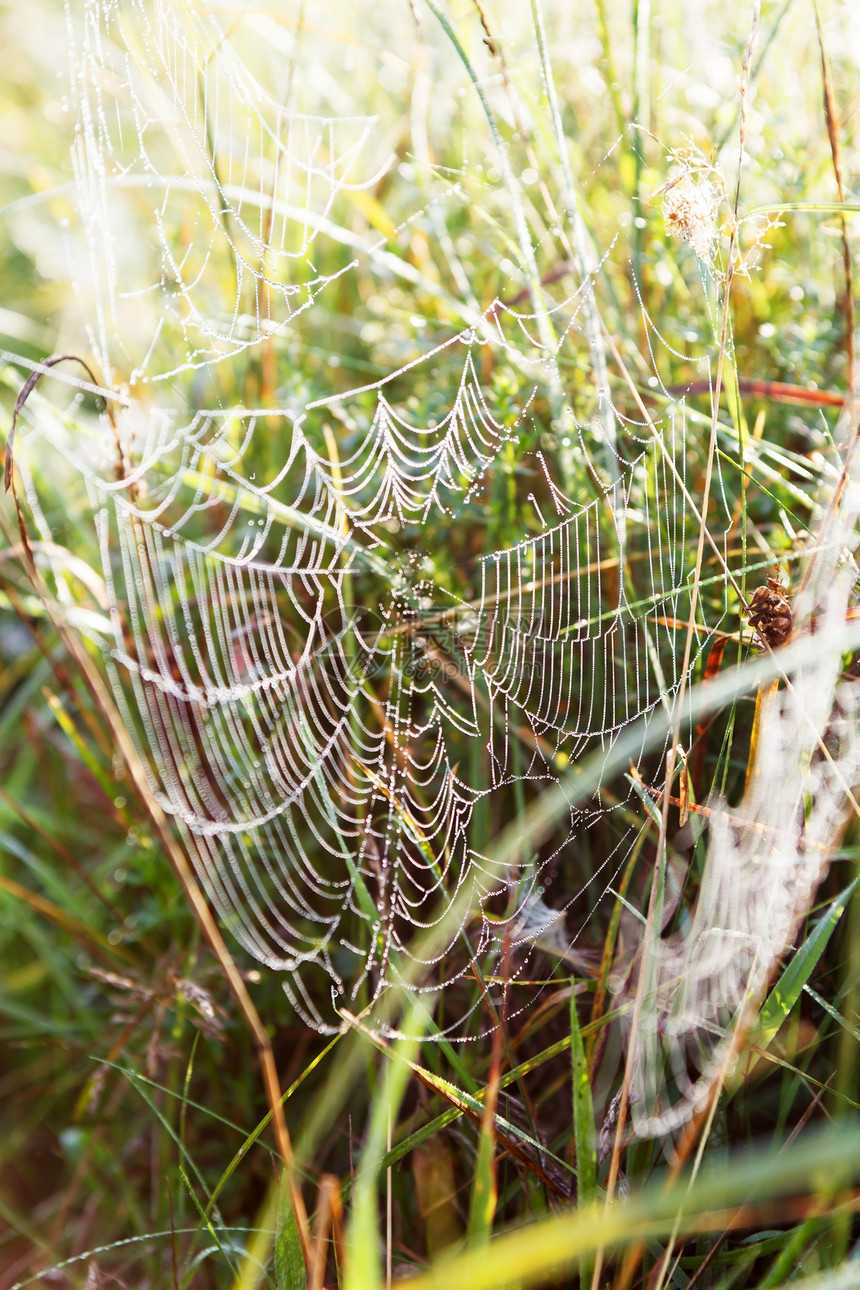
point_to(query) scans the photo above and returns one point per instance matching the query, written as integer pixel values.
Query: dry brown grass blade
(774, 391)
(597, 1034)
(27, 389)
(491, 1099)
(831, 116)
(699, 750)
(764, 694)
(93, 941)
(328, 1216)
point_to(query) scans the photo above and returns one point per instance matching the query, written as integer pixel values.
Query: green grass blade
(290, 1271)
(583, 1127)
(787, 990)
(206, 1222)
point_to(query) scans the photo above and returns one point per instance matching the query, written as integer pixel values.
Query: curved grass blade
(787, 990)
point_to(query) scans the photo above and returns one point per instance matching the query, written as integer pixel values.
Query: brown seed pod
(770, 614)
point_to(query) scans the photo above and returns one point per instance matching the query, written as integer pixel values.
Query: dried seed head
(690, 205)
(770, 614)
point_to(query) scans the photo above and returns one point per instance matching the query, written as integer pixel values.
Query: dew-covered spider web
(177, 136)
(356, 628)
(323, 714)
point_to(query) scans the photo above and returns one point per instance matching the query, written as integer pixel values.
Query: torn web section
(201, 196)
(767, 854)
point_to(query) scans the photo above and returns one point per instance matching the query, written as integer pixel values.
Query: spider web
(184, 155)
(344, 682)
(309, 749)
(766, 857)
